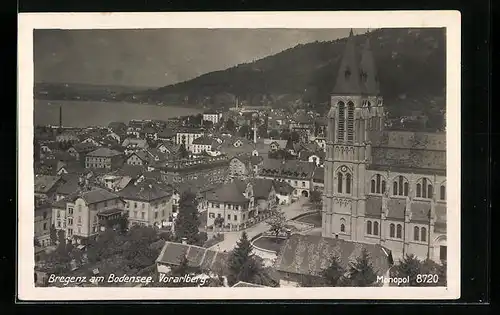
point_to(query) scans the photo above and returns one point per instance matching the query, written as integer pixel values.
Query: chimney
(60, 117)
(184, 240)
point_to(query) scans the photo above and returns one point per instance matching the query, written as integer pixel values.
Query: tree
(410, 267)
(182, 268)
(274, 134)
(53, 234)
(36, 242)
(219, 222)
(242, 265)
(61, 237)
(244, 131)
(262, 131)
(289, 145)
(361, 273)
(295, 136)
(285, 134)
(187, 222)
(122, 223)
(183, 153)
(277, 223)
(208, 124)
(334, 273)
(230, 125)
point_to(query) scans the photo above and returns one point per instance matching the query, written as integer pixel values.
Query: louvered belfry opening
(341, 128)
(350, 122)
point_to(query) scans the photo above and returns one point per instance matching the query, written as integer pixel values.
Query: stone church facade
(380, 186)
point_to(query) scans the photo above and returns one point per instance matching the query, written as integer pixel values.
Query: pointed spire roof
(369, 78)
(348, 77)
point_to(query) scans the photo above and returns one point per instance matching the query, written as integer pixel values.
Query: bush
(217, 238)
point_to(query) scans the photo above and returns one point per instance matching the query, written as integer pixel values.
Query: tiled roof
(205, 259)
(70, 184)
(256, 160)
(203, 140)
(282, 188)
(408, 140)
(396, 208)
(139, 143)
(230, 193)
(104, 152)
(134, 171)
(44, 183)
(84, 147)
(166, 133)
(262, 187)
(288, 169)
(373, 206)
(242, 284)
(146, 190)
(95, 196)
(393, 158)
(420, 211)
(310, 254)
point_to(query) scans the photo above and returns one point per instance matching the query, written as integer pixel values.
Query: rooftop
(104, 152)
(229, 193)
(44, 183)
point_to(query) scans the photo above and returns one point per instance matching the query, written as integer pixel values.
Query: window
(235, 217)
(156, 215)
(70, 232)
(383, 187)
(419, 190)
(400, 186)
(424, 188)
(375, 228)
(218, 215)
(392, 230)
(44, 215)
(229, 217)
(350, 122)
(211, 215)
(341, 124)
(348, 183)
(423, 235)
(303, 184)
(339, 182)
(143, 215)
(58, 224)
(70, 211)
(429, 191)
(369, 227)
(70, 221)
(416, 233)
(135, 205)
(442, 192)
(45, 226)
(378, 183)
(79, 219)
(372, 188)
(399, 229)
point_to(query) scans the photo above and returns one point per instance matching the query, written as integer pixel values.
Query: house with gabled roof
(306, 256)
(84, 213)
(206, 260)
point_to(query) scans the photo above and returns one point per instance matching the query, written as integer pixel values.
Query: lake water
(83, 114)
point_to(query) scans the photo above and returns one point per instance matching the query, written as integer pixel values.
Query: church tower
(356, 109)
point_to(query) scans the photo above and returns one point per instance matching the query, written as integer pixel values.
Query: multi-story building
(178, 171)
(202, 144)
(46, 186)
(148, 202)
(82, 214)
(187, 136)
(212, 116)
(381, 186)
(43, 214)
(104, 158)
(298, 174)
(244, 165)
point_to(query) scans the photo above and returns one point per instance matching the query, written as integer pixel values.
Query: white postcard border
(355, 19)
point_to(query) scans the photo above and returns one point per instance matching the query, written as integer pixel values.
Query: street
(230, 238)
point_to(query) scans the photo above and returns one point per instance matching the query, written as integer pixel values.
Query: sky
(158, 57)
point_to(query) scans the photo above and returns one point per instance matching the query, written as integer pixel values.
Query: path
(230, 238)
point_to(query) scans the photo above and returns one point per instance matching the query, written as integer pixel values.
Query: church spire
(368, 71)
(348, 77)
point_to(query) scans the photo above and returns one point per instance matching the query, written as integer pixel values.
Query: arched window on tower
(392, 228)
(348, 183)
(375, 228)
(395, 188)
(429, 191)
(383, 187)
(416, 233)
(423, 234)
(378, 183)
(400, 186)
(350, 122)
(369, 227)
(406, 188)
(340, 180)
(399, 231)
(342, 225)
(442, 192)
(372, 189)
(341, 122)
(419, 190)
